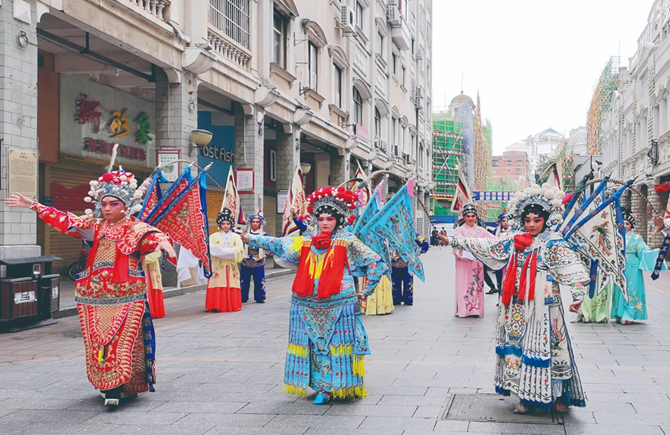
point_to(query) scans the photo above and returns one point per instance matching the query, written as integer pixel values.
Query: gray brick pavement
(222, 373)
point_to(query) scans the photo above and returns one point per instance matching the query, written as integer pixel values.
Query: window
(380, 43)
(495, 162)
(359, 15)
(509, 170)
(279, 40)
(358, 107)
(402, 78)
(232, 18)
(394, 126)
(378, 123)
(337, 86)
(394, 63)
(273, 165)
(509, 162)
(313, 59)
(518, 170)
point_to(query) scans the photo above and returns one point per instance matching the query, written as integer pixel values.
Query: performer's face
(113, 209)
(255, 224)
(470, 219)
(504, 224)
(327, 223)
(225, 226)
(627, 226)
(534, 224)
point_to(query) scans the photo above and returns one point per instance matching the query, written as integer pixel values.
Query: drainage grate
(493, 408)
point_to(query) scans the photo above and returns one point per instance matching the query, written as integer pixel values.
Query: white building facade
(279, 83)
(636, 129)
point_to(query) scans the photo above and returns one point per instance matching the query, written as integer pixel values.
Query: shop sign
(104, 116)
(218, 154)
(106, 148)
(362, 133)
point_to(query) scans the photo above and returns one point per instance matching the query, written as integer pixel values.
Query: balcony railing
(228, 49)
(157, 8)
(231, 17)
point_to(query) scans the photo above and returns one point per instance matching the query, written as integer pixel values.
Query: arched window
(378, 123)
(358, 107)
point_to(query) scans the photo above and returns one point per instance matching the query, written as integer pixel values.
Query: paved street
(222, 373)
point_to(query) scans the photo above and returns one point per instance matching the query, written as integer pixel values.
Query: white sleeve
(223, 253)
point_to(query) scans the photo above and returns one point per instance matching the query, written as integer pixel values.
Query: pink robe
(469, 275)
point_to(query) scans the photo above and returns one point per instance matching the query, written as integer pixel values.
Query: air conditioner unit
(393, 16)
(346, 18)
(407, 159)
(418, 92)
(392, 3)
(419, 53)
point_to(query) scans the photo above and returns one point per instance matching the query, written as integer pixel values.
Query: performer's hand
(443, 239)
(245, 237)
(18, 200)
(362, 299)
(167, 247)
(658, 224)
(574, 307)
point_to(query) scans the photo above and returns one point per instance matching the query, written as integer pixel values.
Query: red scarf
(521, 242)
(332, 271)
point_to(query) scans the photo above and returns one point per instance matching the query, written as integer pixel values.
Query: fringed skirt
(326, 349)
(534, 356)
(119, 342)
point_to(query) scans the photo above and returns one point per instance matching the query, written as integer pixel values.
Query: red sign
(362, 133)
(101, 147)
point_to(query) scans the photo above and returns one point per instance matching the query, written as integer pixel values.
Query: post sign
(165, 156)
(244, 180)
(22, 172)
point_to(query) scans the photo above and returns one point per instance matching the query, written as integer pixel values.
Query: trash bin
(28, 290)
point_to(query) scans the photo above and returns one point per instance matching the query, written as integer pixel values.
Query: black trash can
(29, 292)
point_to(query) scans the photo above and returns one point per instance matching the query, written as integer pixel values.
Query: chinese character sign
(88, 112)
(143, 129)
(118, 125)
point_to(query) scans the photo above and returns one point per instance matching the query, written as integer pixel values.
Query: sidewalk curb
(174, 292)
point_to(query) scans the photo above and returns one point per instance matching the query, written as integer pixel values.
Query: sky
(535, 63)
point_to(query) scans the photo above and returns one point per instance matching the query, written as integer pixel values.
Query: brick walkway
(222, 373)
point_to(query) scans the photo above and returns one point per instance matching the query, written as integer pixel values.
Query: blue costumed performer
(327, 340)
(253, 264)
(403, 280)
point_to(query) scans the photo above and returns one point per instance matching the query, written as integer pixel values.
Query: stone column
(288, 159)
(249, 153)
(339, 166)
(639, 208)
(177, 114)
(18, 123)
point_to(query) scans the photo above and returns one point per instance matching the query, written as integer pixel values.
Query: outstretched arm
(494, 253)
(287, 248)
(66, 223)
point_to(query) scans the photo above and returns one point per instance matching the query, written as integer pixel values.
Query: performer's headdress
(469, 208)
(119, 184)
(545, 199)
(225, 216)
(504, 217)
(339, 203)
(629, 217)
(258, 216)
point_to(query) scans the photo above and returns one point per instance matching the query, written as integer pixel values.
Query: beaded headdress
(470, 208)
(225, 216)
(119, 184)
(258, 216)
(549, 198)
(328, 200)
(629, 217)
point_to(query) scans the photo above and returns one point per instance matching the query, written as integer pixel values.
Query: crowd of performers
(352, 259)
